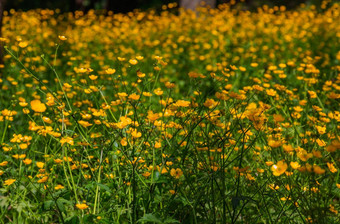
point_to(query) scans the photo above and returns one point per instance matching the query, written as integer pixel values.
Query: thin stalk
(96, 198)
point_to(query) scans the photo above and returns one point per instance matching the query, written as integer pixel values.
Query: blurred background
(119, 6)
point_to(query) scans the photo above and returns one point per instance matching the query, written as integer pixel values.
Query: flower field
(216, 116)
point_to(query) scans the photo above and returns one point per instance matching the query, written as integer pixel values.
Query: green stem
(96, 198)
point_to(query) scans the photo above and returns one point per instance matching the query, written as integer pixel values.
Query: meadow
(219, 116)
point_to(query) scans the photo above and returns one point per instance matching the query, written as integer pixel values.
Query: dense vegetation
(219, 116)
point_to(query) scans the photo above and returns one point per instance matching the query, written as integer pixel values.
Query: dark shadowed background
(122, 6)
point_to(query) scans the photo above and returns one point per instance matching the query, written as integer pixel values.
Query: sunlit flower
(8, 182)
(279, 168)
(62, 38)
(82, 206)
(38, 106)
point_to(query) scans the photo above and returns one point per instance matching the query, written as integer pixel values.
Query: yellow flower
(38, 106)
(43, 180)
(82, 206)
(271, 92)
(40, 165)
(303, 155)
(58, 161)
(134, 96)
(123, 142)
(9, 182)
(182, 103)
(279, 168)
(158, 91)
(27, 161)
(4, 163)
(318, 170)
(58, 187)
(177, 173)
(62, 38)
(135, 133)
(23, 146)
(23, 44)
(312, 94)
(85, 124)
(331, 167)
(210, 103)
(67, 140)
(295, 165)
(93, 77)
(133, 61)
(158, 145)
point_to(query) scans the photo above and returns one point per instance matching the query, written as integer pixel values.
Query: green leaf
(170, 220)
(106, 188)
(72, 220)
(150, 218)
(61, 205)
(4, 201)
(48, 204)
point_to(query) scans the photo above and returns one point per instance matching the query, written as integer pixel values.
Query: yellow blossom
(38, 106)
(279, 168)
(82, 206)
(8, 182)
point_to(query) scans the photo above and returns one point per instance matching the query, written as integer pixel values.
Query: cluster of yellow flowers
(171, 98)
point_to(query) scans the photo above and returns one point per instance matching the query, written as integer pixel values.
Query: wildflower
(331, 167)
(210, 103)
(4, 163)
(67, 140)
(295, 165)
(58, 161)
(134, 96)
(93, 77)
(62, 38)
(38, 106)
(312, 94)
(332, 209)
(318, 170)
(82, 206)
(85, 124)
(278, 118)
(279, 168)
(177, 173)
(158, 145)
(43, 180)
(182, 103)
(40, 165)
(146, 174)
(271, 92)
(320, 142)
(287, 148)
(134, 133)
(8, 182)
(133, 61)
(303, 155)
(23, 44)
(123, 142)
(27, 161)
(59, 187)
(158, 91)
(23, 146)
